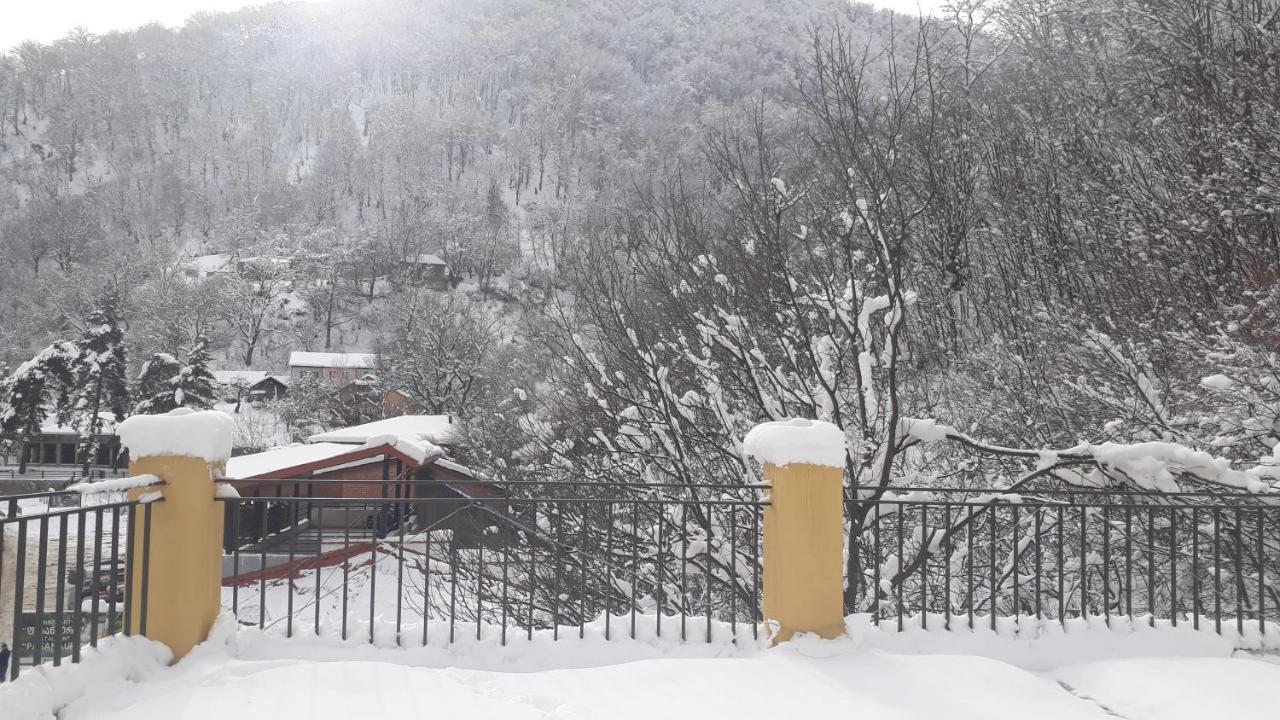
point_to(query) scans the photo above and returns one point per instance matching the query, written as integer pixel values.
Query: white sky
(47, 20)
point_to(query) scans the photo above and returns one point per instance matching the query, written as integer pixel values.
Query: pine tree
(198, 387)
(27, 394)
(100, 384)
(157, 385)
(166, 383)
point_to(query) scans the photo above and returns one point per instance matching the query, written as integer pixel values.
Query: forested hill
(404, 122)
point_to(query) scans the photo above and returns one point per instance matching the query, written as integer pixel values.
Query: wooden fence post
(186, 451)
(803, 526)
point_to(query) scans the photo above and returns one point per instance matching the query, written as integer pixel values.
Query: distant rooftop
(240, 377)
(436, 428)
(425, 259)
(332, 360)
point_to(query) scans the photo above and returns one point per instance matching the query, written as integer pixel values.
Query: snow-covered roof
(425, 259)
(240, 377)
(436, 428)
(268, 461)
(218, 262)
(50, 426)
(300, 358)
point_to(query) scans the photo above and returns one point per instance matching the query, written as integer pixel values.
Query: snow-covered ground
(1157, 674)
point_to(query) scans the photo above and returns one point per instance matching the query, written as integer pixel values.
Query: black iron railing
(973, 556)
(66, 563)
(428, 569)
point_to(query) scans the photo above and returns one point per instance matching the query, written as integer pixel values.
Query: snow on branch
(1150, 465)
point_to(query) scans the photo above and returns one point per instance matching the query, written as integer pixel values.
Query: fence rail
(66, 562)
(965, 555)
(676, 561)
(423, 566)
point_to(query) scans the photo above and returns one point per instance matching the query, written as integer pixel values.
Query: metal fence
(972, 556)
(66, 561)
(674, 561)
(415, 568)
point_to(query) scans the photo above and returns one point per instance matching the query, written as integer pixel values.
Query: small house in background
(337, 368)
(425, 270)
(443, 430)
(203, 267)
(56, 444)
(261, 267)
(402, 457)
(366, 393)
(251, 385)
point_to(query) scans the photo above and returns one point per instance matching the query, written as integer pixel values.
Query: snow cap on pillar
(183, 432)
(800, 441)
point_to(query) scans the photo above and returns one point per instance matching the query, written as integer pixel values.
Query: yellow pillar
(184, 577)
(804, 550)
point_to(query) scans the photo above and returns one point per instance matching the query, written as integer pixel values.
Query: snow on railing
(116, 484)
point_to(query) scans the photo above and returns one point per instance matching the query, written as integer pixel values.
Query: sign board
(43, 628)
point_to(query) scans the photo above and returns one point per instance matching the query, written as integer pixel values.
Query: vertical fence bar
(235, 558)
(1152, 608)
(505, 539)
(1173, 566)
(709, 574)
(1014, 553)
(319, 520)
(755, 561)
(20, 574)
(78, 618)
(924, 566)
(608, 570)
(262, 563)
(584, 519)
(112, 628)
(146, 567)
(480, 583)
(658, 569)
(1106, 565)
(1262, 571)
(1039, 562)
(426, 583)
(1128, 561)
(1061, 570)
(61, 590)
(1195, 568)
(1242, 598)
(684, 569)
(635, 562)
(968, 539)
(346, 565)
(378, 516)
(1217, 570)
(733, 569)
(42, 560)
(991, 562)
(897, 579)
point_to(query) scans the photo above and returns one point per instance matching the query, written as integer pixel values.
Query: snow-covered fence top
(801, 441)
(204, 434)
(115, 484)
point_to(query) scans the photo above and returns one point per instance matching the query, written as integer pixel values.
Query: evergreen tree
(157, 385)
(100, 384)
(27, 394)
(166, 383)
(198, 388)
